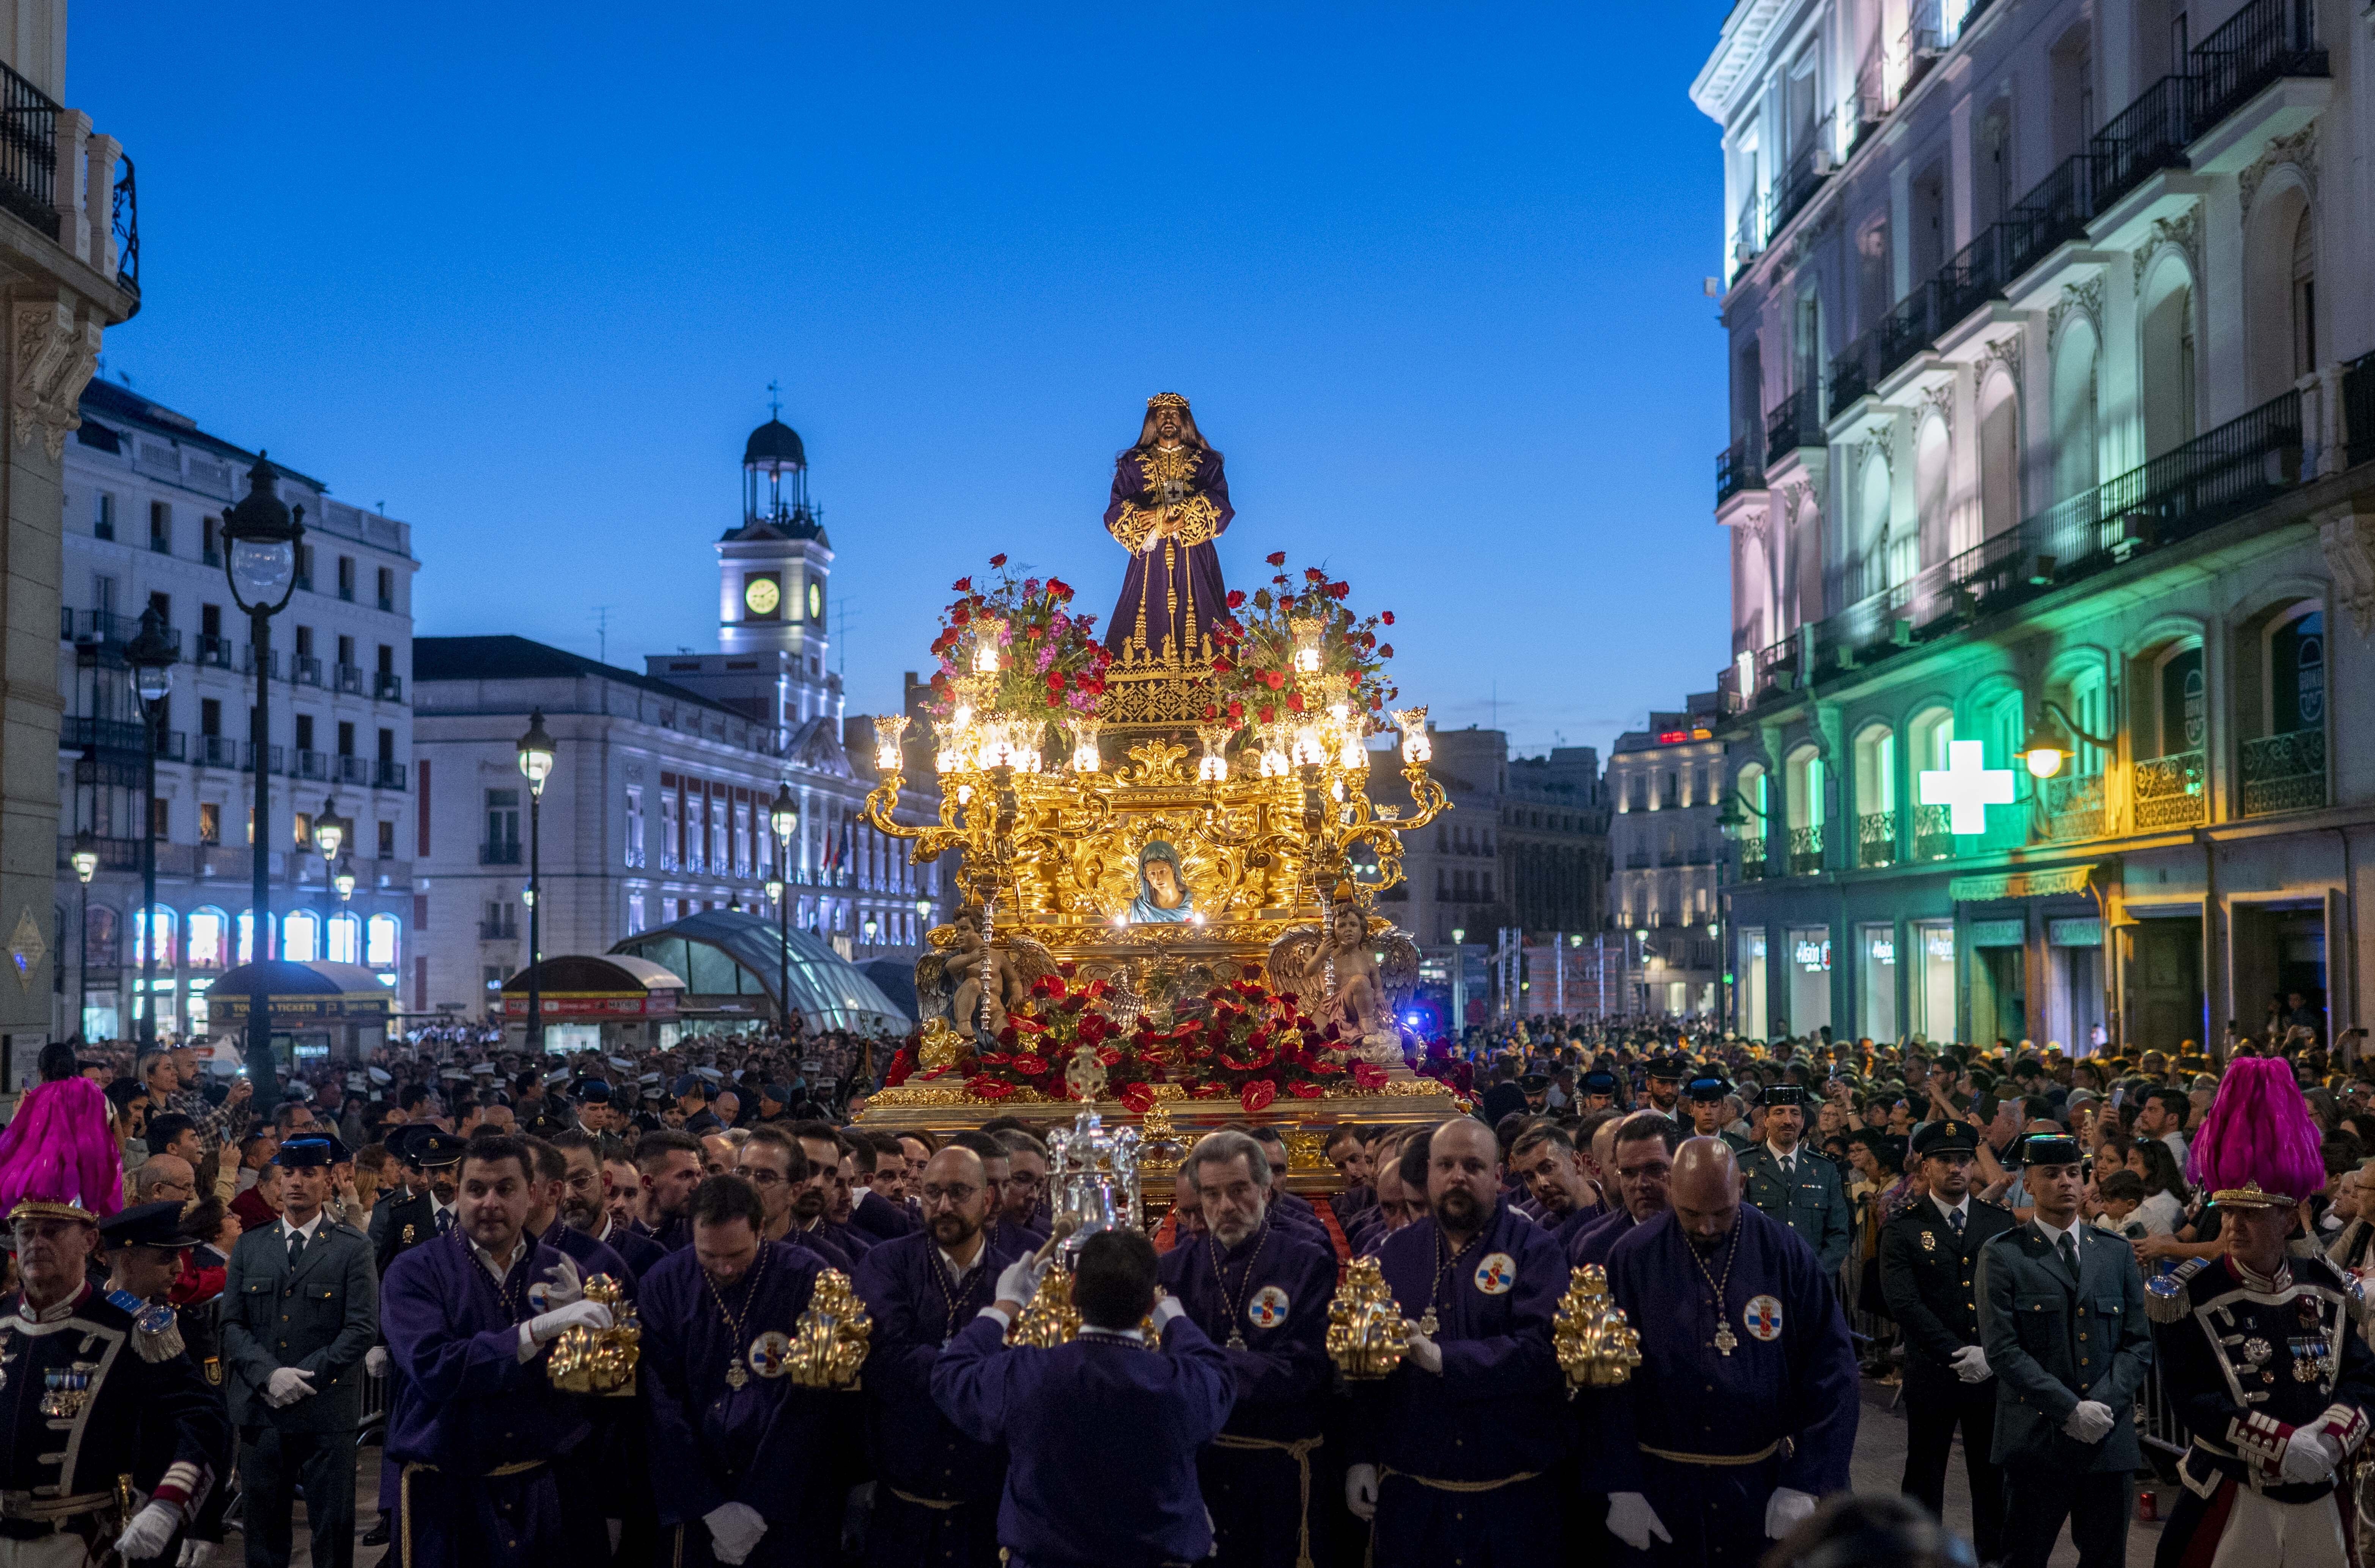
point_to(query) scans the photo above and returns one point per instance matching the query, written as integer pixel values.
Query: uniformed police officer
(1706, 1096)
(1928, 1258)
(428, 1212)
(1795, 1185)
(2062, 1324)
(300, 1310)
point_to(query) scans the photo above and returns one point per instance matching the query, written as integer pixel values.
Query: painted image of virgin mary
(1163, 895)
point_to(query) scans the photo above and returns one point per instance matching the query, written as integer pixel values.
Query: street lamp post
(151, 658)
(783, 817)
(535, 762)
(329, 837)
(1459, 984)
(85, 860)
(260, 537)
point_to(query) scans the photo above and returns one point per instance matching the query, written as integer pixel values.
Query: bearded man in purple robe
(1170, 501)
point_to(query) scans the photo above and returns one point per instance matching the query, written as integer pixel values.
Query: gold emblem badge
(1929, 1240)
(408, 1232)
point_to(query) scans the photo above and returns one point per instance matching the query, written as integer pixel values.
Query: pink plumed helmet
(2259, 1146)
(57, 1159)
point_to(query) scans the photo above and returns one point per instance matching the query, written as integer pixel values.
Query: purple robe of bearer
(936, 1489)
(1173, 592)
(1265, 1302)
(1783, 1400)
(591, 1257)
(1592, 1243)
(767, 1443)
(1102, 1433)
(475, 1427)
(1468, 1460)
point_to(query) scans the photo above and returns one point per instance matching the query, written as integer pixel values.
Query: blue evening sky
(1431, 275)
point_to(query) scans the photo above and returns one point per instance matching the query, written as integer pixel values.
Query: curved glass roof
(722, 952)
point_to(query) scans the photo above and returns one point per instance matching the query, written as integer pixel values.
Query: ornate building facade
(1669, 860)
(2052, 497)
(70, 262)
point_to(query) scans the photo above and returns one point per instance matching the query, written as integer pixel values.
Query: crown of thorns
(1166, 400)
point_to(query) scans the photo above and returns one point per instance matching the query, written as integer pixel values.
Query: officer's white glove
(375, 1362)
(195, 1553)
(1633, 1521)
(287, 1385)
(1970, 1365)
(1785, 1511)
(1020, 1281)
(149, 1530)
(561, 1285)
(2090, 1423)
(734, 1531)
(2310, 1456)
(1420, 1351)
(546, 1326)
(1360, 1492)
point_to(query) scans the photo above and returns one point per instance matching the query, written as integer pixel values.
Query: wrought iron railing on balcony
(347, 677)
(1853, 372)
(216, 751)
(115, 854)
(355, 769)
(2170, 792)
(1752, 861)
(2148, 135)
(2358, 409)
(2284, 773)
(498, 931)
(1637, 861)
(1806, 849)
(29, 152)
(387, 686)
(2261, 44)
(276, 758)
(305, 670)
(314, 765)
(124, 222)
(1736, 469)
(1795, 421)
(390, 775)
(1933, 834)
(1797, 186)
(1875, 839)
(79, 731)
(213, 650)
(2073, 807)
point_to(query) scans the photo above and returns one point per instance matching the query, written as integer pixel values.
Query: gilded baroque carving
(2348, 535)
(54, 357)
(2298, 150)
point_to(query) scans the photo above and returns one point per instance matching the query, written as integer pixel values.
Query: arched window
(1927, 740)
(2304, 296)
(2075, 453)
(155, 924)
(2181, 700)
(1875, 795)
(1872, 513)
(208, 942)
(1930, 472)
(2000, 500)
(1755, 824)
(300, 937)
(1805, 806)
(344, 938)
(247, 953)
(2167, 360)
(2279, 289)
(2281, 701)
(382, 941)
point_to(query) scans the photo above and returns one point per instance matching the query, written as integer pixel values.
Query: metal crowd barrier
(377, 1396)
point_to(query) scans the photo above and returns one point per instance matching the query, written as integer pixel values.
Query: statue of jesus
(1170, 501)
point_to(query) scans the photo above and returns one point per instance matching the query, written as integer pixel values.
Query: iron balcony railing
(1736, 469)
(275, 758)
(389, 776)
(498, 931)
(1795, 421)
(354, 770)
(2169, 792)
(348, 678)
(2261, 44)
(387, 686)
(2148, 135)
(115, 854)
(1933, 835)
(1876, 839)
(2358, 409)
(306, 671)
(29, 152)
(1806, 849)
(76, 732)
(1752, 862)
(1796, 186)
(216, 751)
(2073, 807)
(214, 650)
(124, 220)
(2284, 773)
(314, 765)
(1854, 371)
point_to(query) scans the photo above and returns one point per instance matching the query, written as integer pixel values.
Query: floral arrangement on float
(1246, 1043)
(1298, 670)
(1013, 659)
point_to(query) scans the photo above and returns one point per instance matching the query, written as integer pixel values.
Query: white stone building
(1668, 859)
(2050, 493)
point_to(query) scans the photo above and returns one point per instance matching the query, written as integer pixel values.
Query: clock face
(816, 601)
(761, 595)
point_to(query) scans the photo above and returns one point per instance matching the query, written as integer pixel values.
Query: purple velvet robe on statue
(1174, 591)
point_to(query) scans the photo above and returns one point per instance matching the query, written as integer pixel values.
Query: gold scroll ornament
(1365, 1331)
(829, 1342)
(599, 1360)
(1596, 1347)
(1049, 1318)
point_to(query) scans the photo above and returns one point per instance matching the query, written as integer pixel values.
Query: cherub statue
(1335, 971)
(955, 979)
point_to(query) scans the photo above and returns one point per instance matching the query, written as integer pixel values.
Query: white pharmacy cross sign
(1967, 787)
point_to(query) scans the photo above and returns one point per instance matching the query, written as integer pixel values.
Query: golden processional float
(1169, 855)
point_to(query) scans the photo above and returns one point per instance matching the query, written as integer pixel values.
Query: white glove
(734, 1531)
(2310, 1456)
(285, 1386)
(561, 1286)
(375, 1362)
(546, 1326)
(1420, 1351)
(1020, 1281)
(194, 1553)
(1970, 1365)
(2090, 1423)
(1633, 1521)
(149, 1530)
(1360, 1492)
(1785, 1511)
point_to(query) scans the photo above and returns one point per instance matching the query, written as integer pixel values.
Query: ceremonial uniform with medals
(305, 1299)
(727, 1423)
(1929, 1262)
(1747, 1386)
(935, 1489)
(1466, 1457)
(476, 1423)
(1802, 1189)
(2270, 1376)
(1265, 1302)
(2055, 1339)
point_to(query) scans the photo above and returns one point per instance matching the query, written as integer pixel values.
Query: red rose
(1258, 1095)
(1236, 598)
(1007, 1036)
(1388, 616)
(1266, 715)
(1303, 1091)
(1386, 650)
(1274, 680)
(1138, 1098)
(1276, 557)
(997, 559)
(1220, 666)
(961, 614)
(1338, 590)
(1294, 702)
(1238, 713)
(1313, 574)
(961, 586)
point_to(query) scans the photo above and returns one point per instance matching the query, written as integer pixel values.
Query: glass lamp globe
(784, 816)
